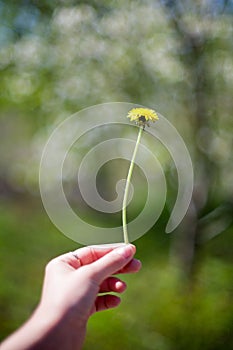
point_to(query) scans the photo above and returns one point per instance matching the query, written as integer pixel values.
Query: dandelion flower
(142, 116)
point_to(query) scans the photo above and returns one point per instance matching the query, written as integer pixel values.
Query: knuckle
(50, 265)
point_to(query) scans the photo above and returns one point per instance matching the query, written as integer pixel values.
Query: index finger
(87, 255)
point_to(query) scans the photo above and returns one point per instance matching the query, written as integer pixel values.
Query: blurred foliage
(57, 57)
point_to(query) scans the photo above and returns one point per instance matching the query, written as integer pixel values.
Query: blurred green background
(57, 57)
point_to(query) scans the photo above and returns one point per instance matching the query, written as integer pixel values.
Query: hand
(74, 280)
(71, 293)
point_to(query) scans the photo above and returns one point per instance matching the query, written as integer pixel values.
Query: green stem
(124, 220)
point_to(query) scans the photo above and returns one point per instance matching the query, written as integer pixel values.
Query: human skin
(71, 293)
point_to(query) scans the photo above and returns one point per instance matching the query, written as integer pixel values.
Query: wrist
(56, 315)
(58, 330)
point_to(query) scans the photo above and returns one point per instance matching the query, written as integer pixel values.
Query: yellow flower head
(142, 116)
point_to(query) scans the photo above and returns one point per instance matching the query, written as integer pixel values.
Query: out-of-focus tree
(204, 46)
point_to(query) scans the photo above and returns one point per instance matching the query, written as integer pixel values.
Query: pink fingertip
(120, 286)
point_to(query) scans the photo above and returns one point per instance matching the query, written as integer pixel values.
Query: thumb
(112, 262)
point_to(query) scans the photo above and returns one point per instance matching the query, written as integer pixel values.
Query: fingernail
(127, 250)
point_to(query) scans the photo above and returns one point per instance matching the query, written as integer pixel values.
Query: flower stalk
(141, 116)
(130, 172)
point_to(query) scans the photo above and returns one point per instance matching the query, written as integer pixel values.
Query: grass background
(159, 310)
